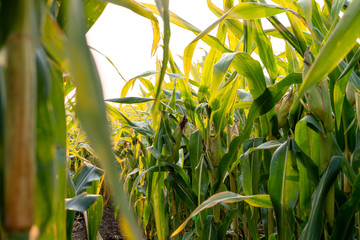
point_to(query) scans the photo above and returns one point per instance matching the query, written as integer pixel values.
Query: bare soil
(109, 228)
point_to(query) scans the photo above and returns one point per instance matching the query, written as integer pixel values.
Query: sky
(126, 39)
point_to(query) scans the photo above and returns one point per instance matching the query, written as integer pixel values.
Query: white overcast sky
(126, 38)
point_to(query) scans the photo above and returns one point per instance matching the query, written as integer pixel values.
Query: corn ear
(177, 134)
(234, 131)
(214, 147)
(283, 107)
(318, 102)
(318, 97)
(357, 106)
(350, 93)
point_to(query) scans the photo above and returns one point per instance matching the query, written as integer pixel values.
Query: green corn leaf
(284, 189)
(354, 60)
(250, 10)
(313, 124)
(214, 9)
(57, 103)
(81, 202)
(175, 19)
(209, 231)
(280, 88)
(246, 66)
(199, 121)
(248, 37)
(335, 10)
(293, 61)
(184, 190)
(165, 121)
(235, 26)
(219, 84)
(156, 154)
(199, 183)
(70, 194)
(226, 224)
(189, 50)
(84, 176)
(158, 200)
(93, 10)
(53, 39)
(142, 131)
(346, 213)
(250, 167)
(244, 95)
(227, 197)
(94, 213)
(339, 94)
(296, 26)
(307, 136)
(186, 94)
(241, 11)
(242, 105)
(349, 172)
(227, 4)
(285, 33)
(265, 50)
(131, 82)
(340, 41)
(227, 100)
(306, 8)
(267, 145)
(312, 170)
(207, 74)
(314, 226)
(109, 60)
(45, 148)
(91, 111)
(130, 100)
(252, 215)
(188, 235)
(163, 7)
(138, 127)
(161, 168)
(317, 21)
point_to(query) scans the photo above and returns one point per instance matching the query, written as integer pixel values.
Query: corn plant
(274, 140)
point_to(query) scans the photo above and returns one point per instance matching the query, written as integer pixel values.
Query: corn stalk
(20, 115)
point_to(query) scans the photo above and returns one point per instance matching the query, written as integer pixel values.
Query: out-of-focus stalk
(20, 118)
(350, 93)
